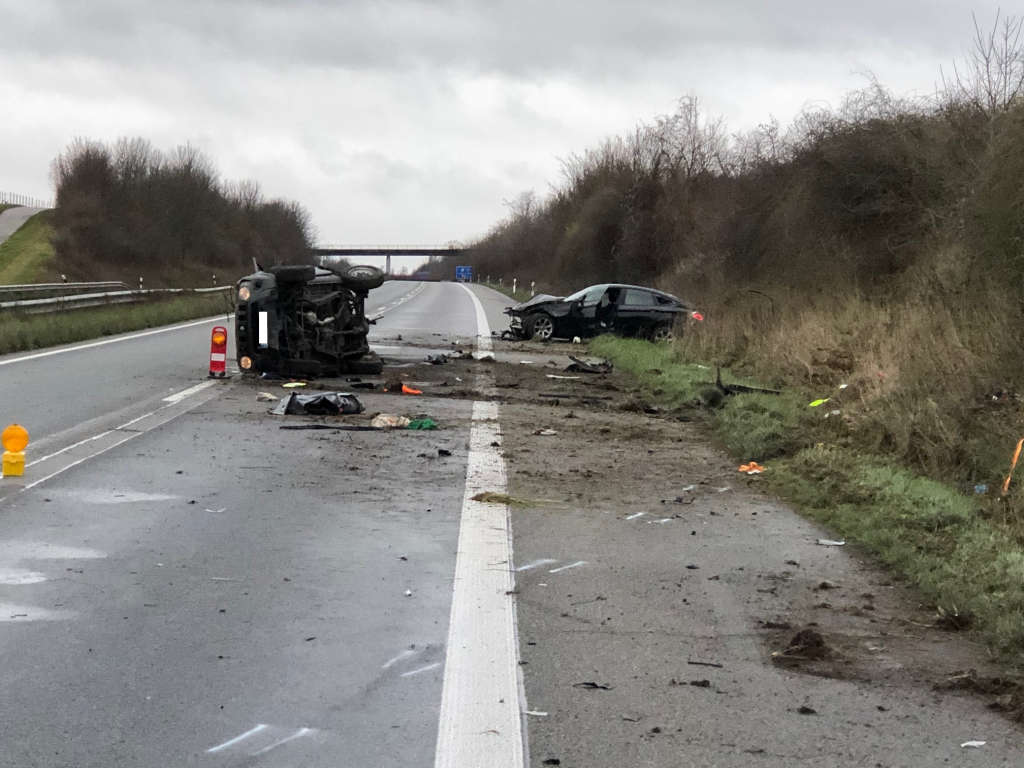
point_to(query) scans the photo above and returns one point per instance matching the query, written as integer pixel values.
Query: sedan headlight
(243, 293)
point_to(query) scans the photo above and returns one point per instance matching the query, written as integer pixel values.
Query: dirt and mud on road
(671, 613)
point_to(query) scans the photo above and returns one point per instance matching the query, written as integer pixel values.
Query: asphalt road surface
(182, 583)
(12, 218)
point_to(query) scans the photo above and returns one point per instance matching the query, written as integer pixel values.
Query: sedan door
(639, 312)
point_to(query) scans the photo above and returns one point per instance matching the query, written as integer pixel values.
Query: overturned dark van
(301, 320)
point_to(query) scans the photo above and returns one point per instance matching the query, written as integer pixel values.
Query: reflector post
(218, 351)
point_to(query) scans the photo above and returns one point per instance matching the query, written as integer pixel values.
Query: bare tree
(991, 78)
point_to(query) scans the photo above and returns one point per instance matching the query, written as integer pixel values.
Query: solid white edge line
(90, 345)
(481, 720)
(483, 328)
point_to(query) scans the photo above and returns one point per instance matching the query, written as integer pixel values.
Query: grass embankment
(520, 294)
(5, 206)
(26, 256)
(24, 332)
(964, 552)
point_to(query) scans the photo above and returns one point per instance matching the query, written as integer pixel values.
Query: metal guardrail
(81, 301)
(47, 287)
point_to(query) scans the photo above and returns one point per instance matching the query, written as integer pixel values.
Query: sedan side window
(636, 298)
(591, 297)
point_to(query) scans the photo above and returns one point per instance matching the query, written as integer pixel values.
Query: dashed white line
(427, 668)
(635, 515)
(177, 397)
(577, 564)
(237, 739)
(299, 733)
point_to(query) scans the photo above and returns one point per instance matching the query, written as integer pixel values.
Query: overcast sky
(412, 122)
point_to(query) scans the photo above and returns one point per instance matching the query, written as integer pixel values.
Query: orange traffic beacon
(14, 439)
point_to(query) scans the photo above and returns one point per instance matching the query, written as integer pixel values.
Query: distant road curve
(12, 219)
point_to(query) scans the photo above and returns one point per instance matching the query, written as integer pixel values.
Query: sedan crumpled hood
(540, 298)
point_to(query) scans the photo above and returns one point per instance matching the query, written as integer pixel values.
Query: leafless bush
(991, 78)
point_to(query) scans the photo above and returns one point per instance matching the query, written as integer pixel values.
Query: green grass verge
(519, 295)
(959, 552)
(26, 255)
(25, 332)
(5, 206)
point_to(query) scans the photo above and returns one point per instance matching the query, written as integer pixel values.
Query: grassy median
(964, 552)
(24, 332)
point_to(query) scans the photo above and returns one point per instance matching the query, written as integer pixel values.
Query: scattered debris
(826, 584)
(441, 359)
(738, 389)
(775, 624)
(831, 543)
(293, 384)
(807, 644)
(320, 404)
(536, 713)
(408, 593)
(592, 365)
(954, 619)
(443, 452)
(545, 432)
(714, 664)
(265, 397)
(973, 744)
(422, 423)
(592, 686)
(389, 421)
(364, 385)
(563, 378)
(332, 427)
(552, 761)
(753, 468)
(490, 497)
(407, 390)
(816, 403)
(805, 710)
(701, 683)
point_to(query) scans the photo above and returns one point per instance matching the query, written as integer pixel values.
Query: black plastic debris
(592, 686)
(319, 404)
(589, 366)
(441, 359)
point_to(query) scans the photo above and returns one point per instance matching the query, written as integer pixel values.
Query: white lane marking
(403, 655)
(92, 344)
(483, 328)
(21, 613)
(567, 567)
(241, 737)
(482, 702)
(177, 397)
(635, 515)
(82, 460)
(44, 550)
(398, 302)
(112, 496)
(427, 668)
(17, 577)
(536, 564)
(72, 446)
(299, 733)
(217, 511)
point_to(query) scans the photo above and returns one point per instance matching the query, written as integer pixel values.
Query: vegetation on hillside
(127, 210)
(27, 255)
(872, 254)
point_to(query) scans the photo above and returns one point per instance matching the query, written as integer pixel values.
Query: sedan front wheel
(539, 327)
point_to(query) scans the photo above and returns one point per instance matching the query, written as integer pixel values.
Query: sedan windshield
(589, 295)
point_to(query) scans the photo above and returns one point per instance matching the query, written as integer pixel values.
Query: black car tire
(367, 365)
(360, 277)
(293, 273)
(539, 326)
(662, 332)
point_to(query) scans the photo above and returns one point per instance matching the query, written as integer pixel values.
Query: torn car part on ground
(301, 320)
(320, 404)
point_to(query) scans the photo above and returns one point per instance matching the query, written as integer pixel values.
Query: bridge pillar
(387, 265)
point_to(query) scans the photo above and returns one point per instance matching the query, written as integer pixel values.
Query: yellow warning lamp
(14, 439)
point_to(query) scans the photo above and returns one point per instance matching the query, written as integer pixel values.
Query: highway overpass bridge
(425, 252)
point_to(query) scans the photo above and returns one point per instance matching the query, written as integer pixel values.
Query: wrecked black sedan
(301, 320)
(625, 310)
